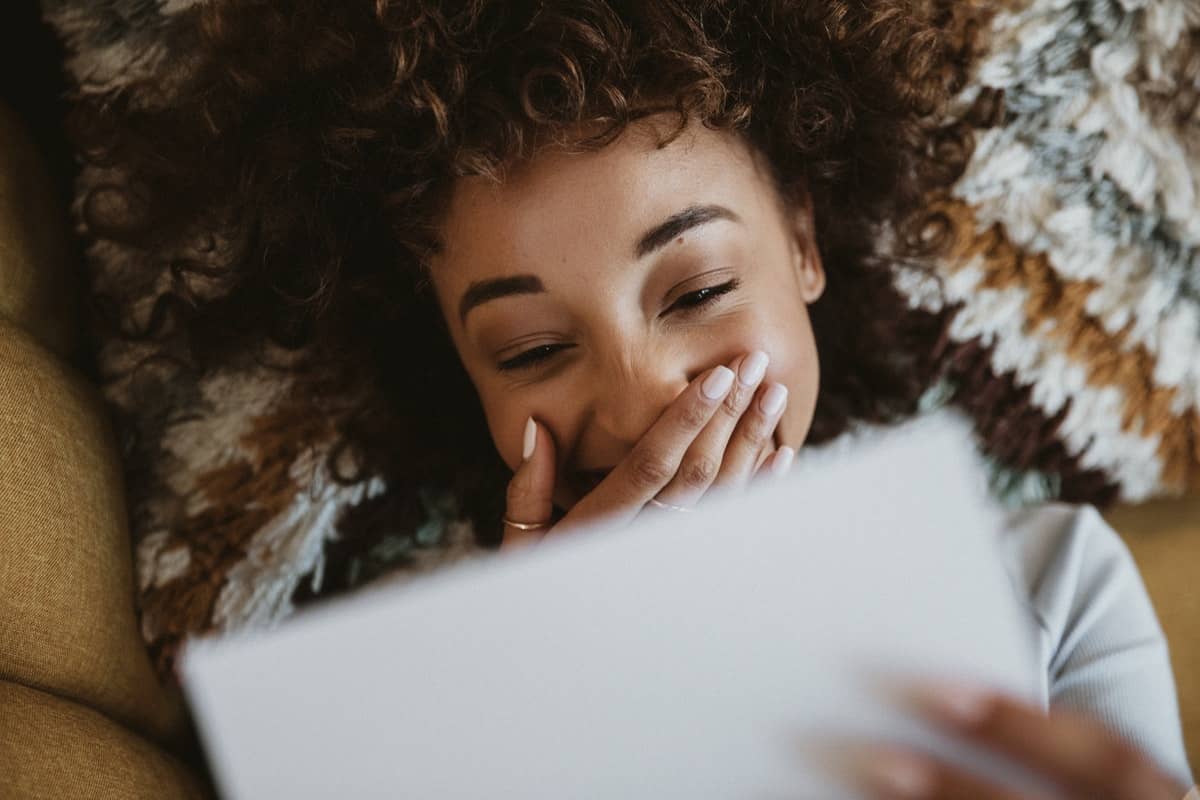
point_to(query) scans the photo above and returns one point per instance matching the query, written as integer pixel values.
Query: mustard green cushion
(1165, 539)
(55, 749)
(83, 712)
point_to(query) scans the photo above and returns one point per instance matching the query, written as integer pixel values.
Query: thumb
(531, 491)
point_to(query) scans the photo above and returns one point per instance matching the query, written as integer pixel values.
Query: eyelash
(698, 300)
(713, 294)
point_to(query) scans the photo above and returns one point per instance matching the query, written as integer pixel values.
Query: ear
(806, 255)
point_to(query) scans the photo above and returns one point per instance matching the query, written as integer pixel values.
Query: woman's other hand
(717, 433)
(1076, 755)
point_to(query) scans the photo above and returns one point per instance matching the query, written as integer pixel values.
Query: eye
(532, 356)
(702, 297)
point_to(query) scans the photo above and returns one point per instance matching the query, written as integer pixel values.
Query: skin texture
(573, 221)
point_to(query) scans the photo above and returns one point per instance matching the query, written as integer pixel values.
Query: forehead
(564, 208)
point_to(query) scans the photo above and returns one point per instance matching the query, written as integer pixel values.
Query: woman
(628, 248)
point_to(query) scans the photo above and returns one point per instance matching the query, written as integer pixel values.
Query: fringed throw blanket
(1075, 344)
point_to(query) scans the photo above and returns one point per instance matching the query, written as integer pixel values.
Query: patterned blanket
(1075, 289)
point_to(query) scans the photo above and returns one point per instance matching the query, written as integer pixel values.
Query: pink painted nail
(717, 384)
(773, 400)
(753, 368)
(783, 461)
(956, 703)
(899, 775)
(530, 439)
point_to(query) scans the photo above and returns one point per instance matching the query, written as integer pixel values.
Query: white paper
(702, 655)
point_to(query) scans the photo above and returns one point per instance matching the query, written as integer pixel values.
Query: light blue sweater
(1095, 633)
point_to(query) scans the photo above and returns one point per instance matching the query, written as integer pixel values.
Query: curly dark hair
(322, 140)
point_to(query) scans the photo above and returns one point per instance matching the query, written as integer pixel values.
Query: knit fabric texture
(1074, 281)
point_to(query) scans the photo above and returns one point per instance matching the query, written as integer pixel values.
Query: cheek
(508, 410)
(506, 422)
(794, 363)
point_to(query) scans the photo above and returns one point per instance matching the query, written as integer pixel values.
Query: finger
(1076, 752)
(704, 459)
(531, 490)
(763, 457)
(655, 459)
(752, 435)
(903, 775)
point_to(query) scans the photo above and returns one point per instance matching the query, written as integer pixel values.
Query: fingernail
(530, 439)
(961, 705)
(783, 461)
(898, 775)
(752, 368)
(717, 384)
(773, 400)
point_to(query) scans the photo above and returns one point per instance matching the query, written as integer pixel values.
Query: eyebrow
(660, 235)
(481, 292)
(690, 217)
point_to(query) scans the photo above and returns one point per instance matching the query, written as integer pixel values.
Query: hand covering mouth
(583, 481)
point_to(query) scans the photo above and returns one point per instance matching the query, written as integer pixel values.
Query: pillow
(1072, 290)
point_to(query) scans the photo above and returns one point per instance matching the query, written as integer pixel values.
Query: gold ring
(654, 501)
(526, 526)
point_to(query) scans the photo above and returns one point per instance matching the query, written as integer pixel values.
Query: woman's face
(587, 290)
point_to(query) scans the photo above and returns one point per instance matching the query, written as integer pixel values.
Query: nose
(632, 392)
